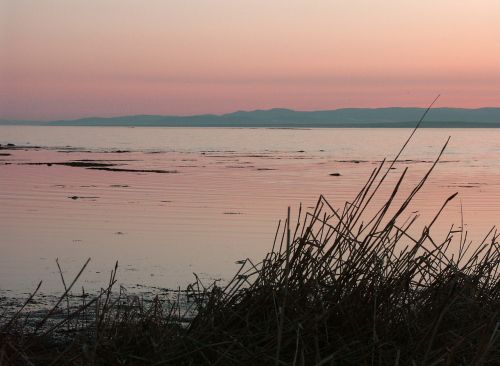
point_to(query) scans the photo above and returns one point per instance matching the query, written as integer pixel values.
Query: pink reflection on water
(220, 206)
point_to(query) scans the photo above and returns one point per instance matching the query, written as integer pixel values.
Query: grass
(340, 286)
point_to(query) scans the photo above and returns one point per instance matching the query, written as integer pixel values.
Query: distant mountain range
(286, 118)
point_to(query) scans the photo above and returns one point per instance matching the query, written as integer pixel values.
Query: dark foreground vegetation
(352, 286)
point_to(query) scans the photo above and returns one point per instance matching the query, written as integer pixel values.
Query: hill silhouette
(287, 118)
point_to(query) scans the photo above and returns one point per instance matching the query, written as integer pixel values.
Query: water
(230, 188)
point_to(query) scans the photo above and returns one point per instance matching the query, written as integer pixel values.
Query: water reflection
(223, 202)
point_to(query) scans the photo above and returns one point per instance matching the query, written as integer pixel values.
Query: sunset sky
(76, 58)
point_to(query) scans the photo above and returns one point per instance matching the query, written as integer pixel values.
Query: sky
(62, 59)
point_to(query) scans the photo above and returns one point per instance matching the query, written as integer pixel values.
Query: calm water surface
(221, 203)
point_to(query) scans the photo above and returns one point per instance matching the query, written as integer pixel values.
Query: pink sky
(69, 59)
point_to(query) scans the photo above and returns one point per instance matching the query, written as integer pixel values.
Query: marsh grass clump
(348, 286)
(341, 290)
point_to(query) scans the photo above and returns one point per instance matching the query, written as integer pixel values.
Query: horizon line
(236, 111)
